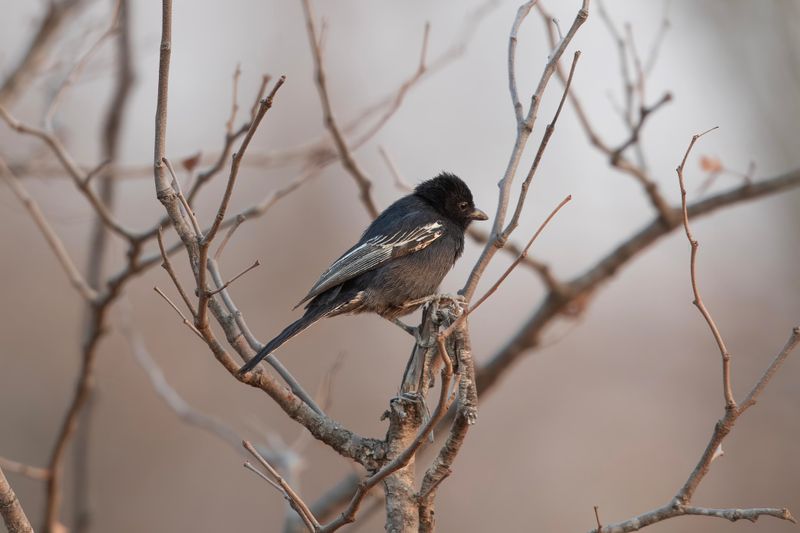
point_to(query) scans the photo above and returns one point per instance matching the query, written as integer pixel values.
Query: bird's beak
(477, 214)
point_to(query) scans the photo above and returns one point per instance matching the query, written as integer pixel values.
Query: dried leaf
(191, 162)
(711, 164)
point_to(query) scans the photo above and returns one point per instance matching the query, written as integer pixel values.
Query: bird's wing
(372, 253)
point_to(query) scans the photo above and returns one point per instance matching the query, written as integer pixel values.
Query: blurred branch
(110, 140)
(179, 406)
(319, 152)
(616, 156)
(58, 13)
(345, 155)
(32, 472)
(11, 510)
(284, 488)
(79, 177)
(76, 278)
(577, 292)
(77, 69)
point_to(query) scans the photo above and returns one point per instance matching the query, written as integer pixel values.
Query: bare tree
(400, 462)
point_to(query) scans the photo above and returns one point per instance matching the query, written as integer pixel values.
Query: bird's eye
(463, 205)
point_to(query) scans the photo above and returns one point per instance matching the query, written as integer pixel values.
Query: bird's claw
(414, 331)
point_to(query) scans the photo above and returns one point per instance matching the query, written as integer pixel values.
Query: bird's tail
(311, 316)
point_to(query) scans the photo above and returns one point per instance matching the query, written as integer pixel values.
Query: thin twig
(73, 170)
(548, 133)
(346, 156)
(730, 403)
(615, 156)
(167, 265)
(289, 493)
(758, 388)
(508, 271)
(524, 129)
(33, 472)
(238, 222)
(265, 106)
(578, 291)
(57, 14)
(234, 278)
(184, 202)
(175, 401)
(234, 99)
(399, 182)
(76, 278)
(186, 321)
(77, 69)
(255, 346)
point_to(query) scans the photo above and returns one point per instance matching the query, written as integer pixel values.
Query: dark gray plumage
(401, 257)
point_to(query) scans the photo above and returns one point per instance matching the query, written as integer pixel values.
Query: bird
(400, 260)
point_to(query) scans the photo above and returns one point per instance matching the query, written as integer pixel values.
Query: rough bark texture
(11, 510)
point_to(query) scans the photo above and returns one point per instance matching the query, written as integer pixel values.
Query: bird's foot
(439, 297)
(414, 331)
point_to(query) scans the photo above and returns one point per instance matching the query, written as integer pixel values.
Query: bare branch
(548, 132)
(33, 472)
(11, 510)
(167, 265)
(524, 130)
(76, 278)
(658, 40)
(234, 278)
(522, 13)
(265, 106)
(288, 492)
(673, 509)
(237, 222)
(725, 424)
(508, 271)
(348, 515)
(730, 403)
(186, 322)
(349, 163)
(171, 397)
(176, 185)
(399, 182)
(77, 69)
(57, 14)
(78, 176)
(616, 156)
(579, 290)
(758, 388)
(253, 343)
(234, 99)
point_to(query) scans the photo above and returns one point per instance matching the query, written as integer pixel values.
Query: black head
(451, 197)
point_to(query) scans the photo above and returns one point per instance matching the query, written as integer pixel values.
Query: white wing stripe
(373, 252)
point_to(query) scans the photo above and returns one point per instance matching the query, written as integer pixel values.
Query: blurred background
(616, 406)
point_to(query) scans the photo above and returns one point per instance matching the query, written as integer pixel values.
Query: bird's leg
(413, 331)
